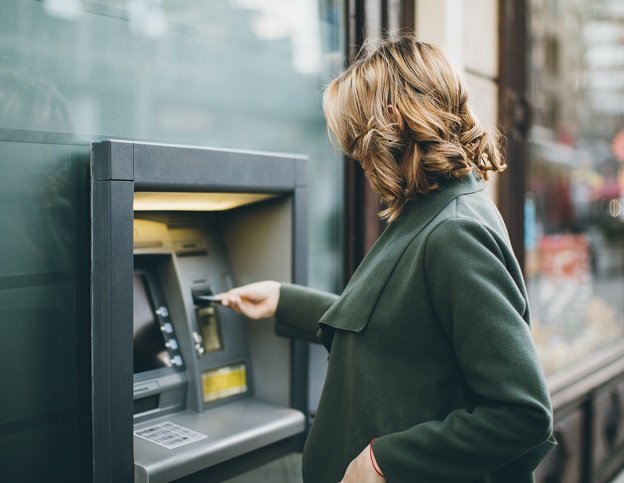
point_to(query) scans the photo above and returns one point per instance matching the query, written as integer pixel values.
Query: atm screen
(150, 351)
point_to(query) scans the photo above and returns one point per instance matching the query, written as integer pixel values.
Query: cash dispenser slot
(184, 387)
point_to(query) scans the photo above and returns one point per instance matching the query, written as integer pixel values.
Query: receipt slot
(184, 389)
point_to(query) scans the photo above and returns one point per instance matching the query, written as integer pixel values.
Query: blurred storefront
(565, 108)
(574, 226)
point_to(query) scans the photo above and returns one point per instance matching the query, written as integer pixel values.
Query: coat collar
(354, 307)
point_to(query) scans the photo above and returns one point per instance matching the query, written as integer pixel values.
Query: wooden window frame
(514, 114)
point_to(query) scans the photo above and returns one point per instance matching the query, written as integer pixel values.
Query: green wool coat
(430, 352)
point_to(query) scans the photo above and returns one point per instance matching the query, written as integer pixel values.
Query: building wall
(468, 33)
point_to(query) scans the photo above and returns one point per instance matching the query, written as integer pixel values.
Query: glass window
(574, 234)
(242, 74)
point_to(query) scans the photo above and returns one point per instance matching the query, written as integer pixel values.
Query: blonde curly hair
(402, 105)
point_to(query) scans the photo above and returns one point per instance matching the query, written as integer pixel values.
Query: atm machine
(184, 389)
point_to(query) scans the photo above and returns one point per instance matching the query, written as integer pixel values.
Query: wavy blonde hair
(403, 105)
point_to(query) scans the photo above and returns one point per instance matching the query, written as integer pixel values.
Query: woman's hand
(256, 300)
(361, 469)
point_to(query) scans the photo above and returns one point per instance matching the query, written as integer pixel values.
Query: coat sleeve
(299, 310)
(482, 308)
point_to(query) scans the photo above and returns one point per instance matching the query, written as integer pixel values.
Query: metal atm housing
(184, 389)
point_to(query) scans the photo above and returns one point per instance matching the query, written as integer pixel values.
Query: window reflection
(241, 74)
(171, 71)
(574, 233)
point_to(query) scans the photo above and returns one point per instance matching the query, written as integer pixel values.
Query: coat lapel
(353, 309)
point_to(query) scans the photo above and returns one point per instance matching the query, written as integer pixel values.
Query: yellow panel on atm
(224, 382)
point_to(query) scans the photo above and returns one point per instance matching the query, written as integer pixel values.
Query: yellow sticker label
(224, 382)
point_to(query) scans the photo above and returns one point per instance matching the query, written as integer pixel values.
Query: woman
(432, 373)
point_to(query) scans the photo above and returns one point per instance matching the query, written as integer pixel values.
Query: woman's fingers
(256, 301)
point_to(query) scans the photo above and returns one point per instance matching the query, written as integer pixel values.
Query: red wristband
(373, 459)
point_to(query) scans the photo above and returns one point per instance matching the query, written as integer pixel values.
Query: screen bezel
(147, 269)
(150, 350)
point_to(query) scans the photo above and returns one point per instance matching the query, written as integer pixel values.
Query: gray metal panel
(299, 349)
(182, 168)
(111, 295)
(300, 235)
(114, 161)
(301, 165)
(234, 429)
